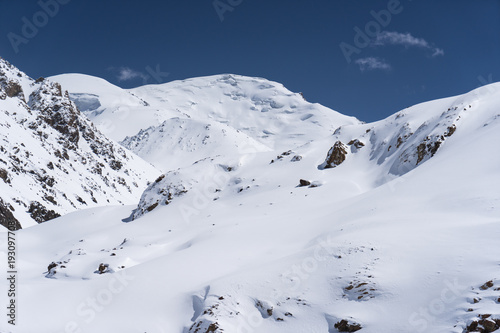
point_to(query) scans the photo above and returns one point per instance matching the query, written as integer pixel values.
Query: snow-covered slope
(175, 123)
(52, 158)
(391, 226)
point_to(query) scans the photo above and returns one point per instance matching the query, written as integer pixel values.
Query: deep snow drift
(320, 224)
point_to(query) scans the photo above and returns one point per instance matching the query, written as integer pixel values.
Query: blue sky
(368, 59)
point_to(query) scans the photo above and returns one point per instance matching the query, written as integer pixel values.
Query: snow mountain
(292, 218)
(52, 158)
(176, 123)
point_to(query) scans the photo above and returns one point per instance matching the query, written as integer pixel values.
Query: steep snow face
(52, 159)
(398, 144)
(264, 110)
(181, 142)
(174, 123)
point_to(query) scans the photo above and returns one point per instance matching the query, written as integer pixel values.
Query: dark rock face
(40, 213)
(430, 145)
(304, 182)
(13, 89)
(345, 326)
(4, 175)
(7, 219)
(57, 111)
(427, 148)
(336, 155)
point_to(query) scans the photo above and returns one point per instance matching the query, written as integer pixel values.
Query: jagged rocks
(451, 130)
(336, 155)
(346, 326)
(57, 111)
(485, 324)
(4, 175)
(40, 213)
(431, 145)
(205, 327)
(356, 143)
(427, 148)
(7, 219)
(13, 89)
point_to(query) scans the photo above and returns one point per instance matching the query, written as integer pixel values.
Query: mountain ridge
(389, 226)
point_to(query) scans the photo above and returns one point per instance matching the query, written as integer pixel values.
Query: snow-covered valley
(272, 214)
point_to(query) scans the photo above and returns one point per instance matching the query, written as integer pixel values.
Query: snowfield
(276, 215)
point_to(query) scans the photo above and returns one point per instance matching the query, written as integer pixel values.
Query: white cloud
(405, 39)
(372, 63)
(438, 52)
(127, 74)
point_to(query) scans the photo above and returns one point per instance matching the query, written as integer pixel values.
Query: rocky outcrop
(7, 219)
(162, 191)
(52, 158)
(57, 111)
(485, 324)
(336, 155)
(346, 326)
(40, 213)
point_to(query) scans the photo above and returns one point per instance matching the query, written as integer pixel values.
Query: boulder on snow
(304, 182)
(356, 143)
(336, 156)
(345, 326)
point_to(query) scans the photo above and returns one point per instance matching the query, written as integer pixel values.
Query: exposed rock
(12, 89)
(204, 327)
(345, 326)
(51, 266)
(304, 182)
(451, 130)
(58, 112)
(103, 268)
(57, 169)
(356, 143)
(426, 148)
(336, 155)
(7, 219)
(487, 285)
(165, 189)
(485, 325)
(40, 213)
(4, 175)
(153, 206)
